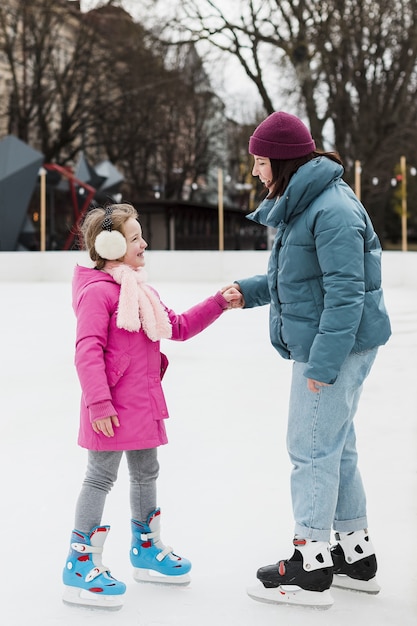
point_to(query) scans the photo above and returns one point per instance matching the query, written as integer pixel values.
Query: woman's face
(262, 169)
(136, 245)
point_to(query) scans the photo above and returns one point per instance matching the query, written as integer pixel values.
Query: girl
(120, 322)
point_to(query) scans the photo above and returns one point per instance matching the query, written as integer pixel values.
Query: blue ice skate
(153, 561)
(87, 581)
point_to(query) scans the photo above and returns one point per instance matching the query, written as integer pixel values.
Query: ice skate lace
(165, 550)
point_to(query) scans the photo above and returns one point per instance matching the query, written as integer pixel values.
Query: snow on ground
(224, 483)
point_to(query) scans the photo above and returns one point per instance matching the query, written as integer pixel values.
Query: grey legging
(100, 477)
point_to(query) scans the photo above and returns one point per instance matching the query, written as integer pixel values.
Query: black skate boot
(302, 580)
(354, 562)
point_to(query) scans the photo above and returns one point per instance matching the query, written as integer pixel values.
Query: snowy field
(224, 483)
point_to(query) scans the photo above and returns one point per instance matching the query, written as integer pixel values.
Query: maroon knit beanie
(281, 136)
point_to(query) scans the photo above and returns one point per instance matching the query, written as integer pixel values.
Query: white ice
(224, 482)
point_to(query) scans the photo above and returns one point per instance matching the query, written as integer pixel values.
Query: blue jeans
(326, 486)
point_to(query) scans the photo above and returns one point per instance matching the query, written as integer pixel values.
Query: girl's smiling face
(262, 169)
(136, 245)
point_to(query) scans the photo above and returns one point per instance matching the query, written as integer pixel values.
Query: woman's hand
(314, 385)
(105, 425)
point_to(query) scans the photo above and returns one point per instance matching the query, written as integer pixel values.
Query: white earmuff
(110, 245)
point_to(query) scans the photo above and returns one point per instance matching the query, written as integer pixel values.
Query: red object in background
(74, 182)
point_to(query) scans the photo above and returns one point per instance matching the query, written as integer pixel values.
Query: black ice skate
(355, 562)
(302, 580)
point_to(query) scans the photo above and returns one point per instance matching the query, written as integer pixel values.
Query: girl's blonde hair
(93, 225)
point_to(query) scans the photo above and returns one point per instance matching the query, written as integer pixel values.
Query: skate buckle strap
(161, 555)
(148, 536)
(165, 551)
(96, 571)
(83, 547)
(299, 542)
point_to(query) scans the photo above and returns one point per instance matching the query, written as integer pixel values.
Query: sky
(224, 482)
(229, 80)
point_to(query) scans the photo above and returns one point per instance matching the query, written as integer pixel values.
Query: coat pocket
(164, 364)
(116, 369)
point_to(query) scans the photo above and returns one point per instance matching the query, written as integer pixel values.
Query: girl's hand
(314, 385)
(105, 425)
(233, 296)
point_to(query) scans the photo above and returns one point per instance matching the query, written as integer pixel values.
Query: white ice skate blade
(292, 595)
(365, 586)
(82, 597)
(151, 576)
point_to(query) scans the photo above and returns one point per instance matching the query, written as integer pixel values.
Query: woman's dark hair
(282, 171)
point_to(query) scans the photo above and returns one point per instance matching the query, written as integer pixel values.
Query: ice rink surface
(224, 482)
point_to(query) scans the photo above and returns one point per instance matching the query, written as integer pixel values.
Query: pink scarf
(139, 306)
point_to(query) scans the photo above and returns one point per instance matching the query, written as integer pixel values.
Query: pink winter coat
(120, 371)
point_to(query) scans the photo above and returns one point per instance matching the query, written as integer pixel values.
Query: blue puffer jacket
(324, 273)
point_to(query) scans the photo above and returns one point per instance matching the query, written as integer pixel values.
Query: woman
(327, 314)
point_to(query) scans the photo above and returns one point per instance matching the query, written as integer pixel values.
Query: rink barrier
(399, 268)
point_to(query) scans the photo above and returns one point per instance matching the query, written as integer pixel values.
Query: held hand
(235, 285)
(105, 425)
(314, 385)
(233, 296)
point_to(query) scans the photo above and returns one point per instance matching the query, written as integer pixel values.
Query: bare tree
(352, 66)
(51, 58)
(154, 116)
(97, 82)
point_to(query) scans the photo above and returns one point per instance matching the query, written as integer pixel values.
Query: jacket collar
(308, 182)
